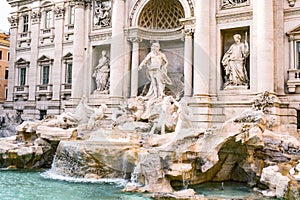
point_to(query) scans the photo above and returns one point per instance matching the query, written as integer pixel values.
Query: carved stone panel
(233, 3)
(102, 13)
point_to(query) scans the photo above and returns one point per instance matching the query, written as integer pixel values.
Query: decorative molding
(101, 36)
(35, 16)
(189, 26)
(234, 17)
(59, 12)
(171, 34)
(291, 3)
(134, 39)
(234, 3)
(291, 12)
(14, 21)
(79, 3)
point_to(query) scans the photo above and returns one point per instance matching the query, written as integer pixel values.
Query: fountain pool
(33, 185)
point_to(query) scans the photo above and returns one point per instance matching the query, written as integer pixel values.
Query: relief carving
(233, 3)
(13, 20)
(102, 14)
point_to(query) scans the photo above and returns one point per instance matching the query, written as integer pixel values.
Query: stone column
(117, 58)
(58, 52)
(12, 70)
(32, 70)
(134, 66)
(78, 50)
(263, 21)
(201, 48)
(188, 61)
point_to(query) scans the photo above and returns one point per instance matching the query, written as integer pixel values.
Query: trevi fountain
(148, 148)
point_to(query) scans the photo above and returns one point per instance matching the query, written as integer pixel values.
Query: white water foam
(50, 174)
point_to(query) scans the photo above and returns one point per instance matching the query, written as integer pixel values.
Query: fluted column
(78, 50)
(201, 48)
(134, 66)
(263, 20)
(117, 49)
(58, 52)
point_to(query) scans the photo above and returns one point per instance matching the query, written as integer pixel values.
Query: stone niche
(97, 54)
(226, 41)
(174, 51)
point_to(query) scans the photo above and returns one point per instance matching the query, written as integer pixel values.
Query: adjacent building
(4, 65)
(56, 46)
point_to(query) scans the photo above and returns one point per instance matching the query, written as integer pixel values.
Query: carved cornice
(13, 20)
(147, 34)
(59, 12)
(14, 3)
(291, 12)
(234, 17)
(101, 36)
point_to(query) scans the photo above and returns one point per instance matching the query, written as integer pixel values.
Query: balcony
(44, 91)
(24, 39)
(21, 92)
(66, 91)
(293, 82)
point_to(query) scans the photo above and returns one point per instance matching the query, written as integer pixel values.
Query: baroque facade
(58, 48)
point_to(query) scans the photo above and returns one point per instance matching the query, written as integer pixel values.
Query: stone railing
(21, 92)
(66, 90)
(293, 80)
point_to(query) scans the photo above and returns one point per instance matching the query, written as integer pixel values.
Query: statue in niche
(156, 63)
(101, 74)
(234, 61)
(102, 14)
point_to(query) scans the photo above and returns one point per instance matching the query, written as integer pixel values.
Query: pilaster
(117, 49)
(78, 50)
(201, 48)
(59, 12)
(263, 20)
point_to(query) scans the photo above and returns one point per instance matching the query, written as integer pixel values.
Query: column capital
(189, 25)
(135, 39)
(79, 3)
(59, 12)
(14, 21)
(36, 16)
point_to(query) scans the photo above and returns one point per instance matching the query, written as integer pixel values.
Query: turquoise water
(32, 185)
(41, 185)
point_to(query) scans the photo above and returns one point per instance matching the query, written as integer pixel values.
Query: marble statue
(156, 63)
(98, 114)
(101, 74)
(102, 14)
(234, 62)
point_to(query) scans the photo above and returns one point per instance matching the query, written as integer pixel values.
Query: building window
(8, 54)
(48, 19)
(0, 55)
(298, 55)
(22, 76)
(6, 92)
(25, 23)
(69, 73)
(72, 15)
(43, 113)
(45, 74)
(6, 73)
